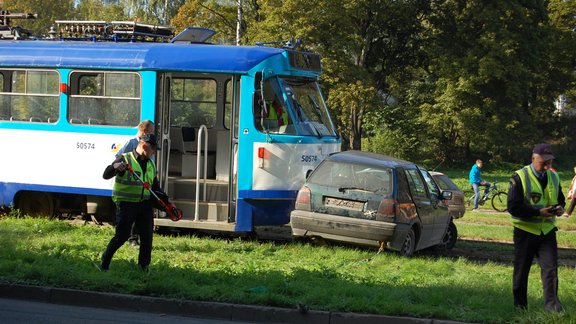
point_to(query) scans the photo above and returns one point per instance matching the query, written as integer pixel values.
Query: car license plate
(343, 203)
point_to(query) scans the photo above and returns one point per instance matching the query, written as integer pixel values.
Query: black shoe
(556, 308)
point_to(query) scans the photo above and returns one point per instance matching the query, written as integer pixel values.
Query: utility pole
(238, 22)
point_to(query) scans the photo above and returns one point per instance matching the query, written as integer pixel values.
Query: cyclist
(476, 182)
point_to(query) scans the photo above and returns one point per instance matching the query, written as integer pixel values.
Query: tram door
(197, 121)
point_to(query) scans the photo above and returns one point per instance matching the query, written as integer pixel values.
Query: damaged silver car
(375, 200)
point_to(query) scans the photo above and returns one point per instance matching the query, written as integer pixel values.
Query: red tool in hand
(173, 212)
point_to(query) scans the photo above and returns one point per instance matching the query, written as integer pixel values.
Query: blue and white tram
(241, 126)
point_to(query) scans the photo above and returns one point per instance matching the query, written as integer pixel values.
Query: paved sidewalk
(198, 309)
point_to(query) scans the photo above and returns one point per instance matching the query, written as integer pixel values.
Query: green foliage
(48, 12)
(96, 10)
(392, 133)
(481, 87)
(350, 102)
(217, 15)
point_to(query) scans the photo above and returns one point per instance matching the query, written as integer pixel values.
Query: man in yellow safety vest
(132, 198)
(535, 198)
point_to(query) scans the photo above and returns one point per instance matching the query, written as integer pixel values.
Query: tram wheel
(33, 203)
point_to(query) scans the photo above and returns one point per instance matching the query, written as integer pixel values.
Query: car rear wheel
(449, 240)
(409, 244)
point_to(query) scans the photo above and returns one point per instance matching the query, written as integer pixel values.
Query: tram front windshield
(293, 106)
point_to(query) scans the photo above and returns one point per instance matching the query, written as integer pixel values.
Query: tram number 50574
(309, 158)
(84, 146)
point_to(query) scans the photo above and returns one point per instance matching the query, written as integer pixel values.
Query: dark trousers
(133, 234)
(544, 247)
(141, 215)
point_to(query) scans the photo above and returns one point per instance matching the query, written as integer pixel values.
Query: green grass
(335, 278)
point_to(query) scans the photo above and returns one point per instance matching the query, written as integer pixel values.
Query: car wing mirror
(446, 195)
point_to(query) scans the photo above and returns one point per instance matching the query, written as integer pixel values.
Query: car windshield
(445, 183)
(294, 106)
(348, 176)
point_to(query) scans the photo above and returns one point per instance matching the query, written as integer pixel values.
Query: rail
(201, 130)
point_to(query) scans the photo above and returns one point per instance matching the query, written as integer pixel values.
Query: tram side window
(105, 98)
(29, 95)
(193, 102)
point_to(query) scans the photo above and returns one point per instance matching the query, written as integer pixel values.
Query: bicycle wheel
(469, 198)
(500, 201)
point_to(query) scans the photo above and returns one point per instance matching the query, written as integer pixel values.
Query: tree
(562, 59)
(344, 34)
(487, 60)
(96, 10)
(217, 15)
(152, 11)
(476, 80)
(48, 11)
(350, 103)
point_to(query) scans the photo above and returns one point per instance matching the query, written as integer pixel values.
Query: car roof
(362, 157)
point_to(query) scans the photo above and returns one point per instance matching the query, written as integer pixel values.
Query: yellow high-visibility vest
(273, 115)
(539, 197)
(127, 187)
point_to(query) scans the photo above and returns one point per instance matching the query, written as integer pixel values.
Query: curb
(198, 309)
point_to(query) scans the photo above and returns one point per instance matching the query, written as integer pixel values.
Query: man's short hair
(145, 125)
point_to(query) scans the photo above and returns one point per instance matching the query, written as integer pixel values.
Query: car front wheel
(409, 244)
(449, 240)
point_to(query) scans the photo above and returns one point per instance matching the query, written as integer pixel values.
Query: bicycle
(498, 198)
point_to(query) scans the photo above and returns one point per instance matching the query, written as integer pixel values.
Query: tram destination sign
(304, 61)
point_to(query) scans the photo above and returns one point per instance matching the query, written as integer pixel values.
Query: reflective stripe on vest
(536, 196)
(127, 187)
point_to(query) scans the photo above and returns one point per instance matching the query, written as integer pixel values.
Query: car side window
(417, 186)
(403, 195)
(434, 191)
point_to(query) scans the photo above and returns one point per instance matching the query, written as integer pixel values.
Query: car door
(439, 209)
(419, 192)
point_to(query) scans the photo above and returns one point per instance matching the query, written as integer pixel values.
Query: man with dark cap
(145, 127)
(535, 198)
(133, 204)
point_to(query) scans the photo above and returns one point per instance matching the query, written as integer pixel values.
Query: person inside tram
(275, 115)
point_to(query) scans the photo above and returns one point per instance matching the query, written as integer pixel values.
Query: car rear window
(348, 175)
(445, 183)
